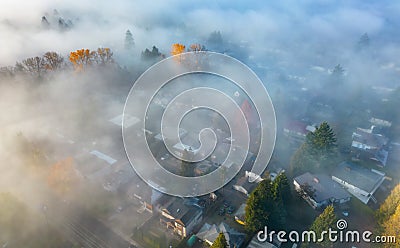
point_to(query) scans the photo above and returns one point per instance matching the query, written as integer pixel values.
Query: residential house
(180, 217)
(369, 144)
(139, 192)
(95, 166)
(126, 121)
(380, 123)
(320, 190)
(247, 183)
(297, 131)
(209, 233)
(268, 243)
(359, 181)
(113, 181)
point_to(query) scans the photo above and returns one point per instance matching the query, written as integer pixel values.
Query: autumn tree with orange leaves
(177, 49)
(194, 61)
(62, 175)
(81, 58)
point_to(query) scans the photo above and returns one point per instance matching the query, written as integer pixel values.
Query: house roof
(380, 122)
(358, 176)
(244, 182)
(381, 156)
(118, 178)
(136, 186)
(255, 243)
(366, 137)
(296, 126)
(210, 233)
(180, 211)
(129, 120)
(325, 188)
(190, 215)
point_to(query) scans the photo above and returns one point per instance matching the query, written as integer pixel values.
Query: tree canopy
(129, 41)
(151, 55)
(281, 188)
(363, 42)
(388, 216)
(391, 228)
(265, 205)
(83, 58)
(220, 242)
(62, 175)
(177, 49)
(318, 151)
(327, 219)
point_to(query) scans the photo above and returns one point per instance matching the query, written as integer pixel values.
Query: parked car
(230, 210)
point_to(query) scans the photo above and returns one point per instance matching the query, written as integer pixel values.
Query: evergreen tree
(263, 208)
(301, 160)
(337, 76)
(327, 219)
(281, 188)
(45, 22)
(151, 55)
(322, 140)
(318, 151)
(129, 41)
(220, 242)
(215, 40)
(363, 42)
(155, 52)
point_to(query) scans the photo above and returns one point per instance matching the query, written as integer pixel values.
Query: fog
(293, 46)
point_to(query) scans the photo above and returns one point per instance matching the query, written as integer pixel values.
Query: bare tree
(53, 61)
(35, 65)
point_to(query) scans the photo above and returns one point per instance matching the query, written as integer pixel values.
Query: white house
(359, 181)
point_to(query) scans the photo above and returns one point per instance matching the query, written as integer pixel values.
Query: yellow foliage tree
(389, 206)
(82, 58)
(177, 49)
(392, 228)
(62, 175)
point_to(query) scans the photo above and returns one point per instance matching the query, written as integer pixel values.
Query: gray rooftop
(369, 138)
(358, 176)
(179, 210)
(211, 232)
(325, 188)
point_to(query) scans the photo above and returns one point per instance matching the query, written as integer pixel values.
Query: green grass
(357, 205)
(149, 238)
